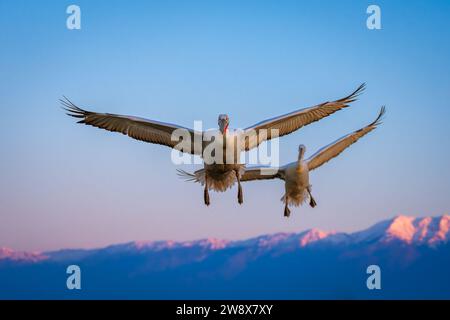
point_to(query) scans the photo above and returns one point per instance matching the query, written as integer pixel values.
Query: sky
(66, 185)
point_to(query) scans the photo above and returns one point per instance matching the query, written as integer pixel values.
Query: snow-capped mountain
(410, 230)
(323, 264)
(429, 231)
(7, 253)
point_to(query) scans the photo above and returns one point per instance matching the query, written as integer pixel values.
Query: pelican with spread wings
(296, 174)
(217, 175)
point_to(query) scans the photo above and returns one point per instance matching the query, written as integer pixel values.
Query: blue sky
(66, 185)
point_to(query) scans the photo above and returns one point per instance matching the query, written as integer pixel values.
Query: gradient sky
(66, 185)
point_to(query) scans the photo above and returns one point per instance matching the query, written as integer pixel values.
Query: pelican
(216, 175)
(296, 174)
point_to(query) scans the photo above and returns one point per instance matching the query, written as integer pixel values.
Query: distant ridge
(413, 255)
(430, 231)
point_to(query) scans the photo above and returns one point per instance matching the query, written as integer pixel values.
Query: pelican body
(296, 186)
(221, 175)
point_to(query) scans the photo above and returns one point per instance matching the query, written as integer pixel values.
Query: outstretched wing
(138, 128)
(293, 121)
(262, 173)
(334, 149)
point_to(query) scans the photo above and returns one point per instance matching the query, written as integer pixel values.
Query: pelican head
(223, 122)
(301, 152)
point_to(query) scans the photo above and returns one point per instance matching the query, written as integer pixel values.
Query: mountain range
(413, 255)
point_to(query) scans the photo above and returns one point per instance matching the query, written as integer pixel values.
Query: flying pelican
(217, 175)
(296, 174)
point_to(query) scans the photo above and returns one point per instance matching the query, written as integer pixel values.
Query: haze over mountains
(413, 254)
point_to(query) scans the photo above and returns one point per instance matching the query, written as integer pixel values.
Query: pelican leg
(287, 212)
(312, 202)
(206, 192)
(240, 194)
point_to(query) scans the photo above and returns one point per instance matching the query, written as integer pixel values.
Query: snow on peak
(443, 233)
(402, 228)
(209, 243)
(269, 241)
(432, 230)
(7, 253)
(428, 230)
(312, 236)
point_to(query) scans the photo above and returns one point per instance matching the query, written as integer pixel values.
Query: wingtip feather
(71, 109)
(355, 94)
(379, 120)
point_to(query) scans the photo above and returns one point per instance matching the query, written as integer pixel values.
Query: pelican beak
(301, 152)
(223, 125)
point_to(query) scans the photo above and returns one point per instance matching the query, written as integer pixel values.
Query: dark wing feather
(334, 149)
(136, 128)
(293, 121)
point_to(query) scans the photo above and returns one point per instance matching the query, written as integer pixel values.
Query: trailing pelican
(296, 174)
(216, 175)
